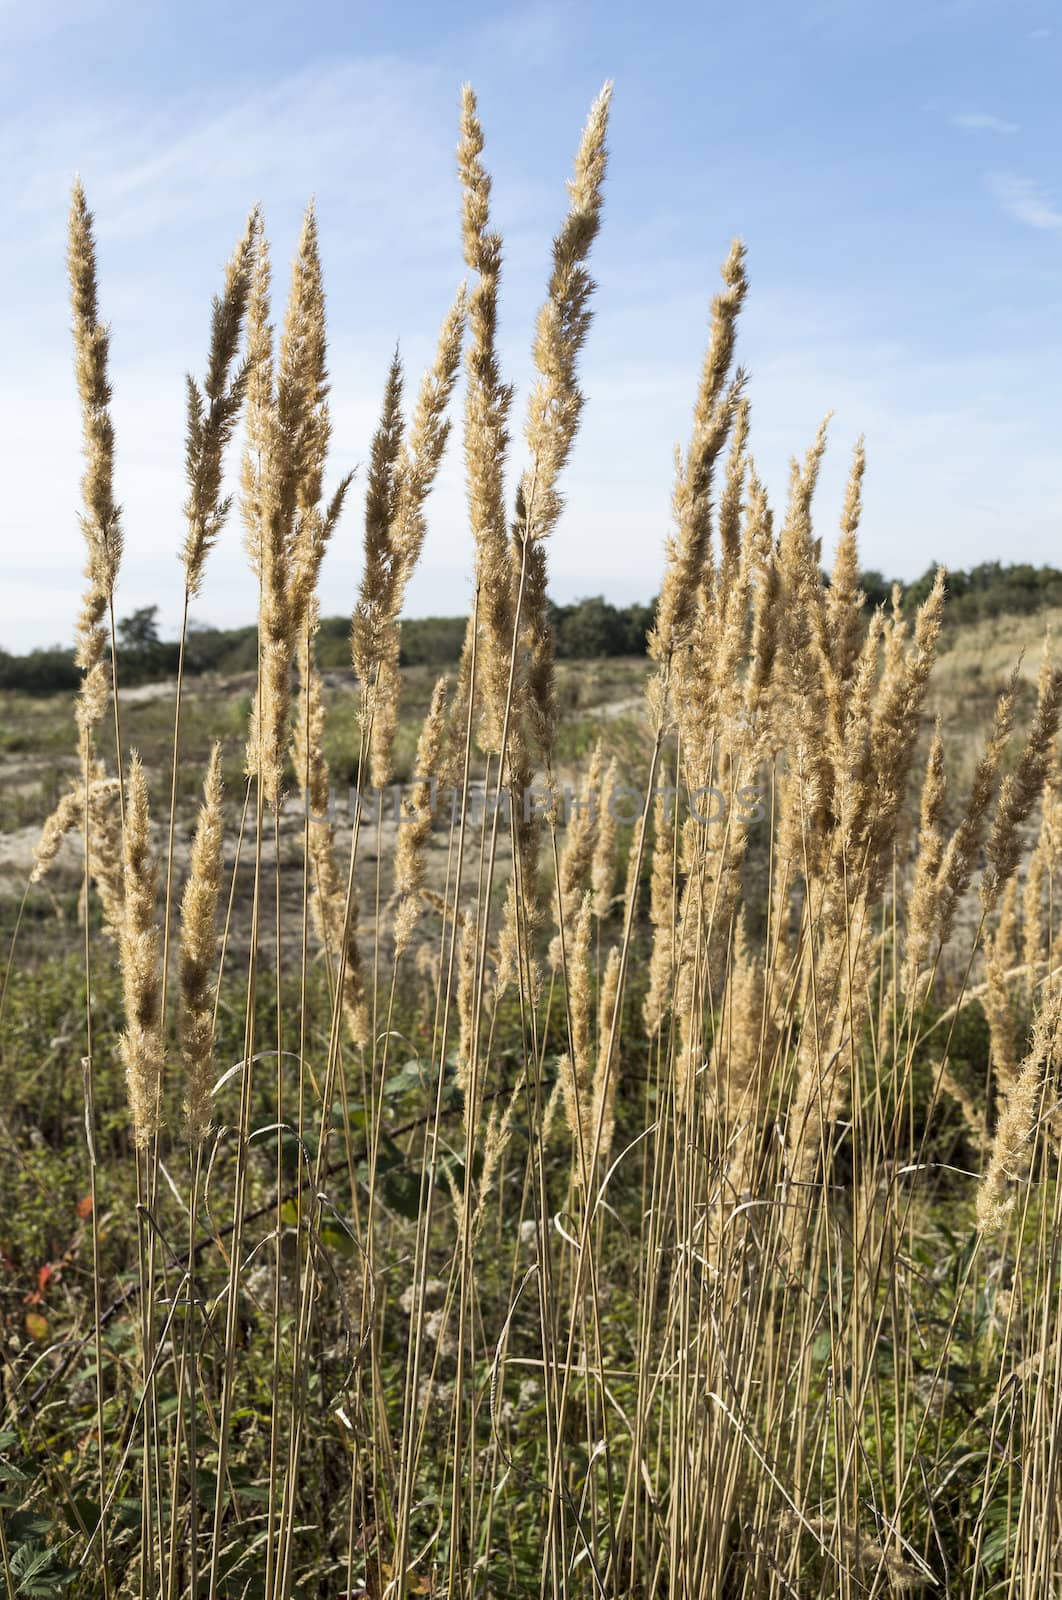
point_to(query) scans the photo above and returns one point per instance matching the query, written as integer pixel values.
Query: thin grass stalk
(238, 1208)
(90, 1132)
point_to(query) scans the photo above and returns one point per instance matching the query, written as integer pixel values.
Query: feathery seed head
(715, 411)
(417, 817)
(1021, 789)
(213, 412)
(101, 517)
(198, 952)
(141, 1042)
(1015, 1136)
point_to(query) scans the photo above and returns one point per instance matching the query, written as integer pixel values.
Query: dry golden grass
(660, 1118)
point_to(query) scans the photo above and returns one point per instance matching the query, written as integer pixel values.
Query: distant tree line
(585, 630)
(989, 590)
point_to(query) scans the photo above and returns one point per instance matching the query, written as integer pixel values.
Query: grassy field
(652, 1195)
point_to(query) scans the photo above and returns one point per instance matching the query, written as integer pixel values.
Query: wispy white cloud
(1041, 33)
(1026, 201)
(360, 124)
(983, 122)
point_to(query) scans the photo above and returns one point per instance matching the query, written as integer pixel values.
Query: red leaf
(44, 1277)
(84, 1207)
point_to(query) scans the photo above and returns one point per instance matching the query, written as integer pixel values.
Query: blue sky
(893, 165)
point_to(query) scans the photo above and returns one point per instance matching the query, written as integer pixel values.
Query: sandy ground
(36, 778)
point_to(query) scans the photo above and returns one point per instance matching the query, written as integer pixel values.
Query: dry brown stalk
(141, 1042)
(198, 955)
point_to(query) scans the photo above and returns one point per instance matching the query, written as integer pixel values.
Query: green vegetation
(586, 630)
(992, 589)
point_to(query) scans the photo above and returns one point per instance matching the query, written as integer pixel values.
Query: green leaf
(37, 1572)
